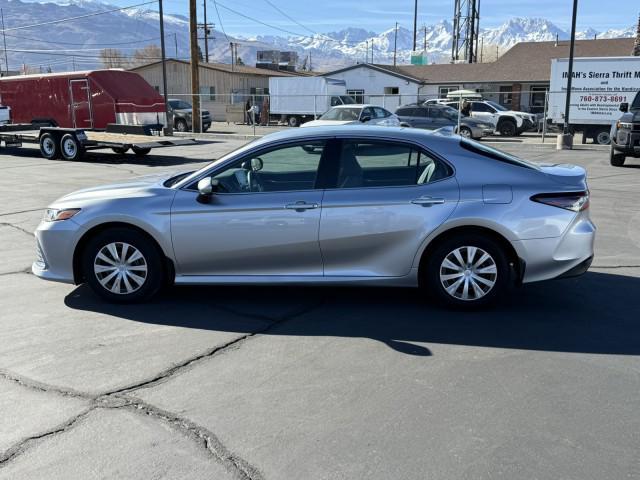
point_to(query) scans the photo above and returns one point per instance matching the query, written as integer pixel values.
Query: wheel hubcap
(48, 146)
(468, 273)
(120, 268)
(69, 148)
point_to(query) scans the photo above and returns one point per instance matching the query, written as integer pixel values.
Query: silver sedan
(329, 205)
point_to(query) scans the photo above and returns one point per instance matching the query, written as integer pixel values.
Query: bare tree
(113, 58)
(636, 44)
(148, 54)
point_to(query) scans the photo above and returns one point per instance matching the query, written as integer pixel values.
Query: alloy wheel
(468, 273)
(120, 268)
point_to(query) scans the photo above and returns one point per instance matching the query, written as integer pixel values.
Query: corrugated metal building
(220, 84)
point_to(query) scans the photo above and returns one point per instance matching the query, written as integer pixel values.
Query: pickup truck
(625, 134)
(182, 112)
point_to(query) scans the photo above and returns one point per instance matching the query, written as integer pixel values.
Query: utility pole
(566, 141)
(175, 42)
(164, 71)
(415, 24)
(372, 50)
(395, 45)
(366, 53)
(4, 38)
(206, 28)
(425, 38)
(195, 73)
(310, 69)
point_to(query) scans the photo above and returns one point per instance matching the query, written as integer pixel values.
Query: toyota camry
(329, 205)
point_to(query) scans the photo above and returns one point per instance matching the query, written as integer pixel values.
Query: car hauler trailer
(69, 113)
(599, 86)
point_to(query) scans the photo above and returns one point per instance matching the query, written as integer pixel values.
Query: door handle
(428, 201)
(300, 206)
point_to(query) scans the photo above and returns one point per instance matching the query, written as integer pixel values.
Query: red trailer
(69, 113)
(88, 100)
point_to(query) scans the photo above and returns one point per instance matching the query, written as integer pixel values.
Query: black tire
(181, 125)
(293, 121)
(49, 147)
(507, 128)
(71, 148)
(616, 159)
(465, 132)
(152, 257)
(120, 150)
(435, 265)
(140, 152)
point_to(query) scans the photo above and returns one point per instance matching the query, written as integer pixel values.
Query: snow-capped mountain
(77, 43)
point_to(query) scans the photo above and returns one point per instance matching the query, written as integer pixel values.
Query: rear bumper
(570, 254)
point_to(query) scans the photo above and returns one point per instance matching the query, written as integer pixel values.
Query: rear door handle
(300, 206)
(428, 201)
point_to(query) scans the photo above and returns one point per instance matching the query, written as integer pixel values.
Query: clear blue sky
(378, 15)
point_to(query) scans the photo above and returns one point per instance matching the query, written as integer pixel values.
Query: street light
(169, 127)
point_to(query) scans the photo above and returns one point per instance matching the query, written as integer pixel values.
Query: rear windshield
(495, 154)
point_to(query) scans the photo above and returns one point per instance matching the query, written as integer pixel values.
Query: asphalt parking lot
(316, 383)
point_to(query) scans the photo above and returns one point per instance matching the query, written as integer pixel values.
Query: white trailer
(299, 99)
(599, 86)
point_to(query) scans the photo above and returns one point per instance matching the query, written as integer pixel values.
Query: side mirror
(207, 186)
(624, 107)
(365, 119)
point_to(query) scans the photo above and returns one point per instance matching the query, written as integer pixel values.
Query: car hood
(326, 123)
(189, 111)
(137, 187)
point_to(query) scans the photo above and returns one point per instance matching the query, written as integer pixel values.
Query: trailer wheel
(602, 137)
(120, 150)
(71, 148)
(49, 146)
(293, 121)
(139, 151)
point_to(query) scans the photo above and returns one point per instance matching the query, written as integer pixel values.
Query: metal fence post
(253, 113)
(544, 115)
(315, 107)
(459, 112)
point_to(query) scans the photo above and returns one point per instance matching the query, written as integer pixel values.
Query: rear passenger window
(366, 164)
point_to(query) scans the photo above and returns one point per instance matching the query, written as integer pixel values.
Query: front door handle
(301, 206)
(428, 201)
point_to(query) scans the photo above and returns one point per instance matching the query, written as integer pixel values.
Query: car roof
(356, 105)
(417, 135)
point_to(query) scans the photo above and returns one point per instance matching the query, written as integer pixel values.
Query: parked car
(625, 134)
(182, 114)
(329, 205)
(507, 122)
(432, 117)
(344, 114)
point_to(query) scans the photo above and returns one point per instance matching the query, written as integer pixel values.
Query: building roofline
(377, 67)
(267, 73)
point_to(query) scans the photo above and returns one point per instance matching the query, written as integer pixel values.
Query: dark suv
(625, 134)
(182, 112)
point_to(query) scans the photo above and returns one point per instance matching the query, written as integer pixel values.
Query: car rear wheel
(122, 265)
(507, 128)
(467, 271)
(616, 159)
(49, 147)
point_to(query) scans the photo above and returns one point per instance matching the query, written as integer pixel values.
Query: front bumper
(567, 255)
(55, 244)
(627, 142)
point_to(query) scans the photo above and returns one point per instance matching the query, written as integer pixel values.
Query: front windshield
(342, 114)
(450, 113)
(179, 105)
(636, 103)
(497, 106)
(347, 100)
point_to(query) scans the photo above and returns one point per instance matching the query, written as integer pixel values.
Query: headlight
(626, 125)
(55, 215)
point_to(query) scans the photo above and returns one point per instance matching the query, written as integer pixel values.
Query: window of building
(442, 91)
(506, 95)
(391, 90)
(357, 95)
(208, 94)
(538, 93)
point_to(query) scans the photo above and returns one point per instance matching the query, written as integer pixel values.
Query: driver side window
(293, 167)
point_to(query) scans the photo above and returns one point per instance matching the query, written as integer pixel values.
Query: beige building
(220, 84)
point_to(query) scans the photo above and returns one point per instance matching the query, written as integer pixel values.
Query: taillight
(574, 201)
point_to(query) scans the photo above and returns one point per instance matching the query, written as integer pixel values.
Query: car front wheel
(122, 265)
(467, 271)
(616, 159)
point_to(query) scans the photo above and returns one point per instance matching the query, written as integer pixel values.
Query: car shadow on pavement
(596, 313)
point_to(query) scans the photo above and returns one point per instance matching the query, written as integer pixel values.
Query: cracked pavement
(316, 383)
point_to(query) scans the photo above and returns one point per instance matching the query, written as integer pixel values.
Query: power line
(290, 18)
(215, 4)
(55, 42)
(87, 15)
